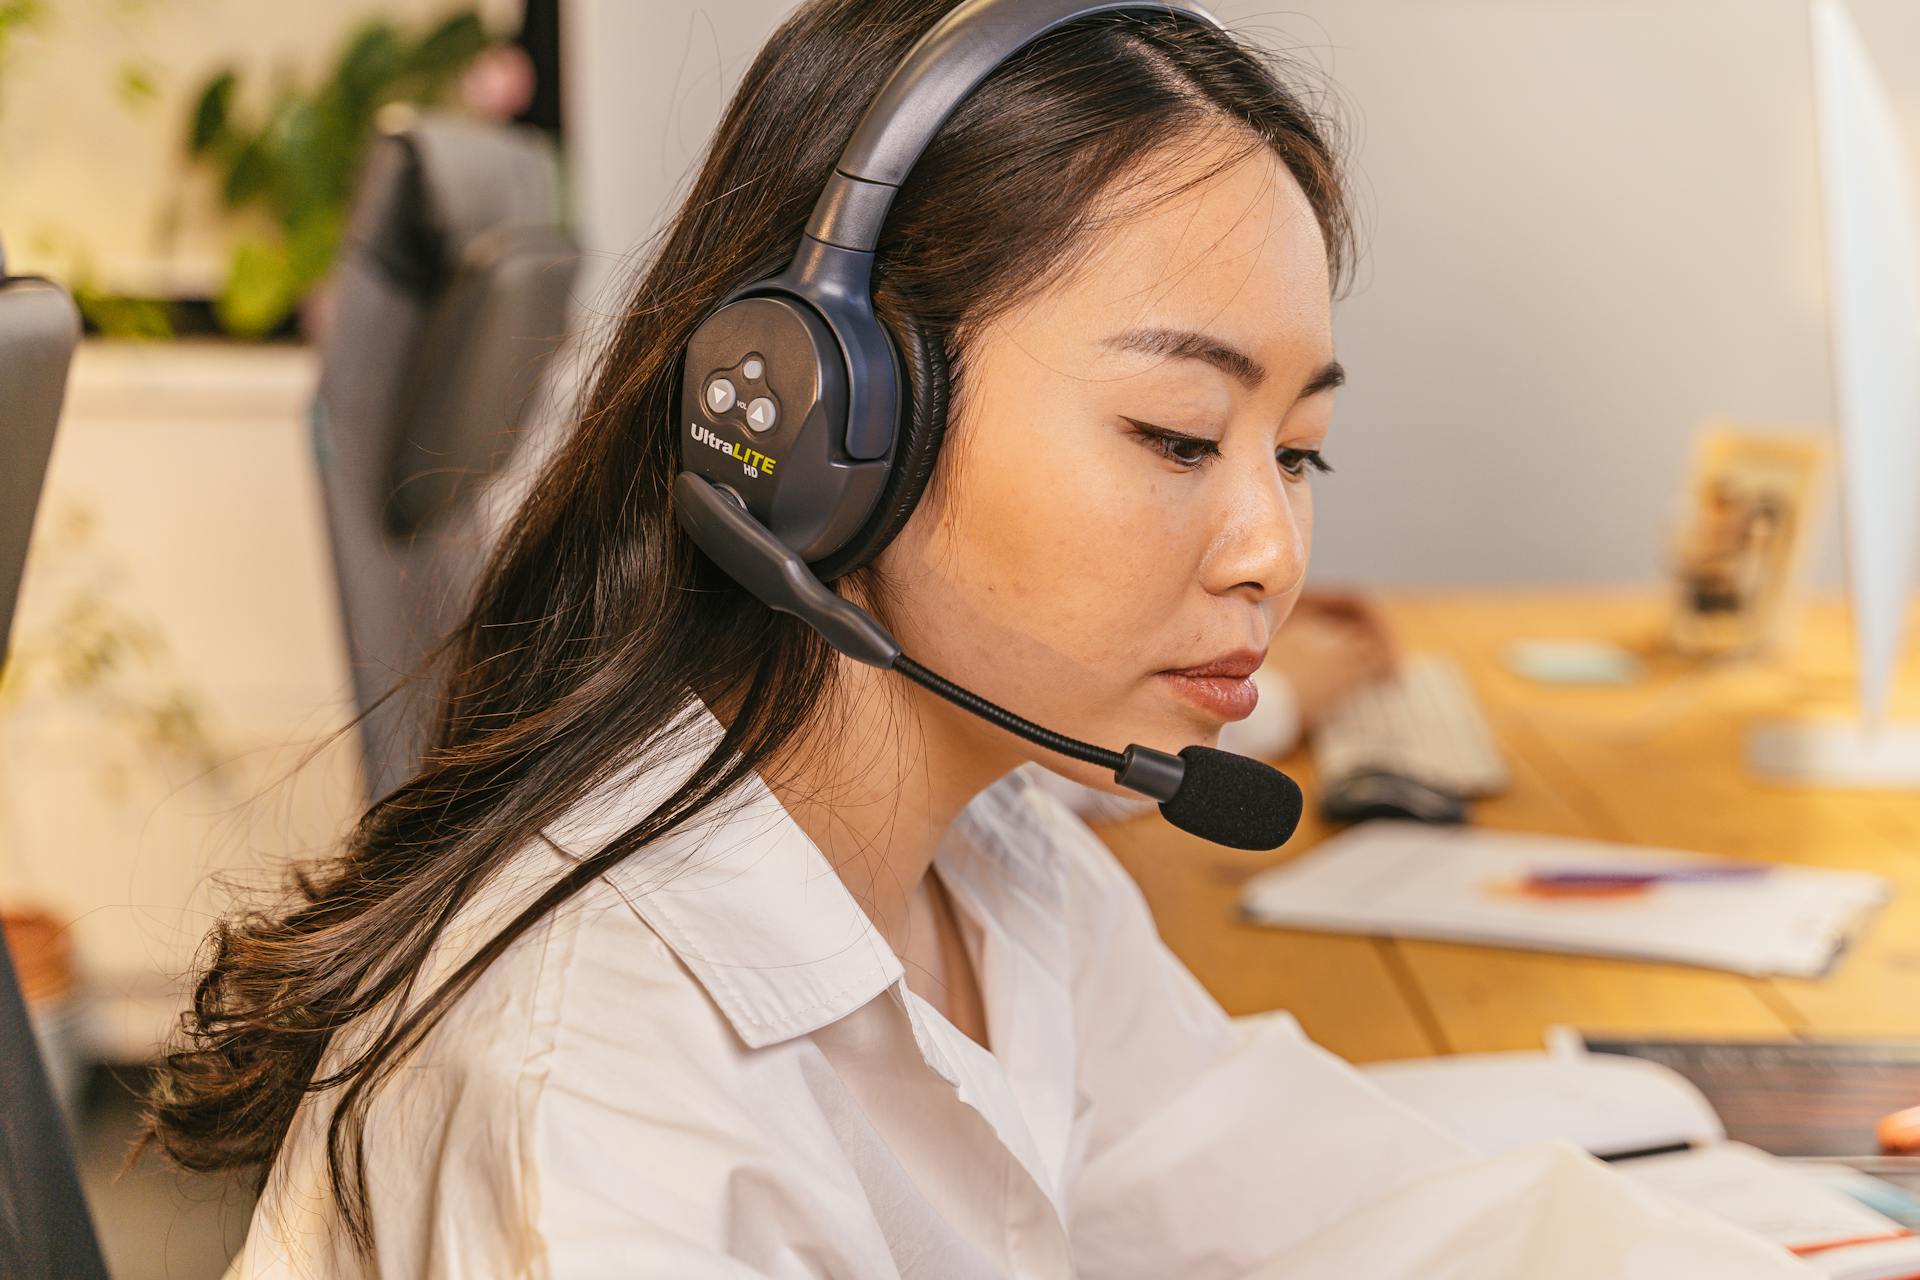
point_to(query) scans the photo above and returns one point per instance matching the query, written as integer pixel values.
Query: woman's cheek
(1121, 552)
(1044, 525)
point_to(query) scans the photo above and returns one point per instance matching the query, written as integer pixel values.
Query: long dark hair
(596, 622)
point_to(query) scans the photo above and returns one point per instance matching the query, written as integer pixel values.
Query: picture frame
(1754, 498)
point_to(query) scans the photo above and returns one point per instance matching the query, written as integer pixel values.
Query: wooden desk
(1657, 762)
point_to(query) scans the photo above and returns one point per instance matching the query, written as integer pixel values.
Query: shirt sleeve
(1548, 1209)
(1238, 1147)
(1213, 1143)
(668, 1149)
(593, 1125)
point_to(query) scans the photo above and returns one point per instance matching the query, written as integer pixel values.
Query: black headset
(806, 444)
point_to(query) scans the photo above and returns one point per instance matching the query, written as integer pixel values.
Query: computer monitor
(1873, 292)
(45, 1228)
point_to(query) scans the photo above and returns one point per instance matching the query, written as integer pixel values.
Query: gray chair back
(450, 295)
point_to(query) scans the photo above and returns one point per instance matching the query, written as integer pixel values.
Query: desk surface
(1657, 762)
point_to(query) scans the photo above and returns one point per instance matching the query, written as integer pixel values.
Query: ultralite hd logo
(752, 462)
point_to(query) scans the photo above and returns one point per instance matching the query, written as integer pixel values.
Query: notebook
(1657, 1127)
(1838, 1234)
(1467, 884)
(1806, 1098)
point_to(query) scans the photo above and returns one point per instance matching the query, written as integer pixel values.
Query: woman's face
(1125, 490)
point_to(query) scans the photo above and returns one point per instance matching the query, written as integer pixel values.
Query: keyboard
(1423, 723)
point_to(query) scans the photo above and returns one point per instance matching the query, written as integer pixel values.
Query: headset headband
(942, 68)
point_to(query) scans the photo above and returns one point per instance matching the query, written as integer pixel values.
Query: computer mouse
(1359, 797)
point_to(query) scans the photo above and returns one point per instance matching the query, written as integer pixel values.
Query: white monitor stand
(1874, 308)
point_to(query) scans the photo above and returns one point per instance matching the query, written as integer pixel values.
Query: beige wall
(83, 174)
(193, 464)
(1591, 225)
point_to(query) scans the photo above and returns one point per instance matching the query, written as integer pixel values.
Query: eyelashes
(1297, 462)
(1194, 452)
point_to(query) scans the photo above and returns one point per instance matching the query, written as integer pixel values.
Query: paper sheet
(1546, 1210)
(1410, 880)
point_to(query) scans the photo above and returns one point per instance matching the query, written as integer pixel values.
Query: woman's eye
(1193, 451)
(1297, 462)
(1188, 451)
(1175, 446)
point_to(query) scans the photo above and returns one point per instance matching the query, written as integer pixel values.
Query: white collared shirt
(708, 1063)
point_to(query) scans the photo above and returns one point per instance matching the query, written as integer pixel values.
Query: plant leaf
(249, 173)
(449, 47)
(311, 245)
(135, 86)
(371, 60)
(260, 291)
(299, 146)
(119, 316)
(211, 113)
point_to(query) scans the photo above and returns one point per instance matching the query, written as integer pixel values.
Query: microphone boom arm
(721, 526)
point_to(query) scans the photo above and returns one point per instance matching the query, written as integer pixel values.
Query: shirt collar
(755, 910)
(742, 896)
(1006, 843)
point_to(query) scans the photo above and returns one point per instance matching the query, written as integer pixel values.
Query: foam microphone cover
(1234, 800)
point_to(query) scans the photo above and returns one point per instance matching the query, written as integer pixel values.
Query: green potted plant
(297, 160)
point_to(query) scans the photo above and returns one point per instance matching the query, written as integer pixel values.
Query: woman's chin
(1171, 733)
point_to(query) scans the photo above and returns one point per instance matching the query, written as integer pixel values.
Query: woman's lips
(1225, 697)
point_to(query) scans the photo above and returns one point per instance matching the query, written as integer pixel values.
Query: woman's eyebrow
(1332, 374)
(1186, 344)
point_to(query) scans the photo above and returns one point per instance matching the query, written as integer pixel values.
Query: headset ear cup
(924, 358)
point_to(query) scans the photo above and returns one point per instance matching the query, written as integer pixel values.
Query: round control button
(753, 368)
(721, 395)
(761, 414)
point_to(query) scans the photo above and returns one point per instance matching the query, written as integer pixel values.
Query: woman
(693, 950)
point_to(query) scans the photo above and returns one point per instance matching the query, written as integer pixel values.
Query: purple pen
(1573, 877)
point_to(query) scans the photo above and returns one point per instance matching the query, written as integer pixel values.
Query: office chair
(450, 294)
(45, 1227)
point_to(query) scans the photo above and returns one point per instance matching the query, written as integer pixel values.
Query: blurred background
(1590, 228)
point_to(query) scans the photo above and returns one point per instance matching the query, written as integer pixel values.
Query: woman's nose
(1262, 548)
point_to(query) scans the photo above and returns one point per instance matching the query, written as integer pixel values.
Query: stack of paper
(1845, 1223)
(1464, 884)
(1769, 1197)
